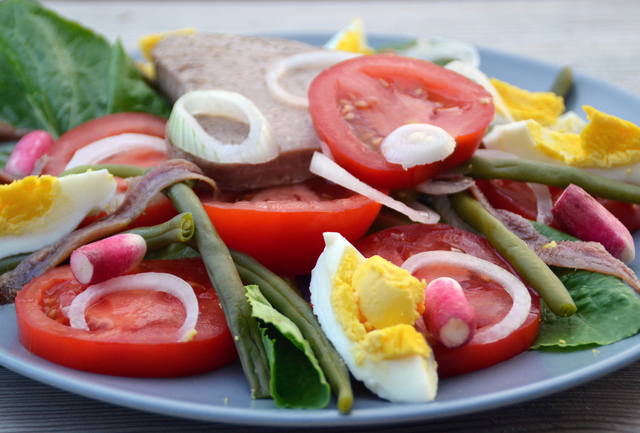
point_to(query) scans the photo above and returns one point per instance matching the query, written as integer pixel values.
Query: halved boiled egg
(367, 308)
(38, 210)
(351, 38)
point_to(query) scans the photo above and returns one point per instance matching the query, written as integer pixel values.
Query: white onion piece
(319, 59)
(184, 131)
(153, 281)
(323, 166)
(417, 144)
(510, 283)
(442, 187)
(109, 146)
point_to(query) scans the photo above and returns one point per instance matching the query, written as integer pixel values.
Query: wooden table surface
(600, 38)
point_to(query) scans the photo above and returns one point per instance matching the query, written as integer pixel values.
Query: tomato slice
(130, 330)
(489, 301)
(518, 197)
(282, 227)
(356, 103)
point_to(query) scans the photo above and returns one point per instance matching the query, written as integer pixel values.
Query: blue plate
(223, 395)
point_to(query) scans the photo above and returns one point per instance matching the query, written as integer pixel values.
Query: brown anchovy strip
(139, 195)
(590, 256)
(6, 177)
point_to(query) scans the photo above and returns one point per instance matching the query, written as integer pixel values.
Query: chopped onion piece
(184, 131)
(319, 59)
(323, 166)
(445, 186)
(510, 283)
(417, 144)
(109, 146)
(154, 281)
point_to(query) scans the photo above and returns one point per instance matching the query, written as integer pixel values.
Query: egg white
(411, 379)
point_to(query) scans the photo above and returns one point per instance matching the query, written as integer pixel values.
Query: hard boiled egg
(606, 145)
(543, 107)
(38, 210)
(367, 308)
(351, 38)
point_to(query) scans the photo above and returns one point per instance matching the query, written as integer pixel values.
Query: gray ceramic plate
(223, 395)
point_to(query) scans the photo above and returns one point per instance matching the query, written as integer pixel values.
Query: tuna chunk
(239, 63)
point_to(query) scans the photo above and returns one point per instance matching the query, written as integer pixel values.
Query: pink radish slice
(27, 153)
(154, 281)
(510, 283)
(107, 258)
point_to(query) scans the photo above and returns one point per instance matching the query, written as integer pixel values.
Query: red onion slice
(510, 283)
(154, 281)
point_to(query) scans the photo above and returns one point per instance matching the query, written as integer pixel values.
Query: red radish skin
(448, 316)
(27, 153)
(107, 258)
(581, 215)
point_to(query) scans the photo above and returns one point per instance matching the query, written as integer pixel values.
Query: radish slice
(323, 166)
(417, 144)
(27, 153)
(184, 131)
(510, 283)
(102, 149)
(154, 281)
(318, 59)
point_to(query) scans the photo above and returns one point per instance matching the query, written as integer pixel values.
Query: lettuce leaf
(297, 381)
(56, 74)
(608, 309)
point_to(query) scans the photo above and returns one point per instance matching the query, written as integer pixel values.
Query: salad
(373, 314)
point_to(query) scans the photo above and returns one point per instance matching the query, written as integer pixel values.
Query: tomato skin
(518, 197)
(468, 110)
(283, 229)
(397, 244)
(114, 351)
(68, 143)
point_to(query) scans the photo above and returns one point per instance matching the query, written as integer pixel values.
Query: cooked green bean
(230, 289)
(563, 83)
(561, 176)
(530, 267)
(10, 263)
(178, 229)
(286, 300)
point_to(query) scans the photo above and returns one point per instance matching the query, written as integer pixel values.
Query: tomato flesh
(130, 332)
(489, 301)
(356, 103)
(282, 227)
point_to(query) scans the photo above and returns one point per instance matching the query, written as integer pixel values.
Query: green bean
(563, 83)
(285, 299)
(178, 229)
(10, 263)
(230, 289)
(530, 267)
(561, 176)
(120, 170)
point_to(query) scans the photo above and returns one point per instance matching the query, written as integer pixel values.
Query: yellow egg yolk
(24, 202)
(376, 303)
(543, 107)
(352, 38)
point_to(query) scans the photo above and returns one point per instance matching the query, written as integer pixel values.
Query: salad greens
(608, 309)
(56, 74)
(297, 379)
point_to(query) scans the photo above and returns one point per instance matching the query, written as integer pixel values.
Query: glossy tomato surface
(282, 227)
(130, 332)
(518, 197)
(490, 302)
(356, 103)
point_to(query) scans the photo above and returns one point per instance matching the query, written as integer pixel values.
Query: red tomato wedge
(129, 330)
(358, 102)
(518, 197)
(489, 301)
(282, 227)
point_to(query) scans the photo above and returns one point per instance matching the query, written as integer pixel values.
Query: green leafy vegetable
(56, 74)
(297, 380)
(608, 309)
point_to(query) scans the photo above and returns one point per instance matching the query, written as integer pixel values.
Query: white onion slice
(153, 281)
(323, 166)
(417, 144)
(445, 186)
(109, 146)
(510, 283)
(184, 131)
(318, 59)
